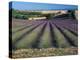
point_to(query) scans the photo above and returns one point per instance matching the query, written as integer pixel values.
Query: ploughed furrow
(19, 35)
(70, 26)
(45, 40)
(73, 39)
(14, 30)
(36, 44)
(73, 31)
(60, 38)
(28, 40)
(54, 42)
(19, 23)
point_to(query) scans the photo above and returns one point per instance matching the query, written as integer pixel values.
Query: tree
(71, 13)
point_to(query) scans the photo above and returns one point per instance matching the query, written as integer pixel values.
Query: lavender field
(43, 34)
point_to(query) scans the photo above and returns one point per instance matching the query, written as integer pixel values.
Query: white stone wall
(37, 18)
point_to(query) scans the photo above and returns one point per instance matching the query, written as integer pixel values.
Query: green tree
(71, 13)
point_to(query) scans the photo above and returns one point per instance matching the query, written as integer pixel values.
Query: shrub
(49, 16)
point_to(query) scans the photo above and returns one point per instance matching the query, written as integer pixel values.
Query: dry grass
(27, 53)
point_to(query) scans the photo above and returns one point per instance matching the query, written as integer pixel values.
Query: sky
(40, 6)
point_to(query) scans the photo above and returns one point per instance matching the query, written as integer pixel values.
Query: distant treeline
(27, 14)
(24, 14)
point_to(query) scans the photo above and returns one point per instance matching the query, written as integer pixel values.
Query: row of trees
(25, 15)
